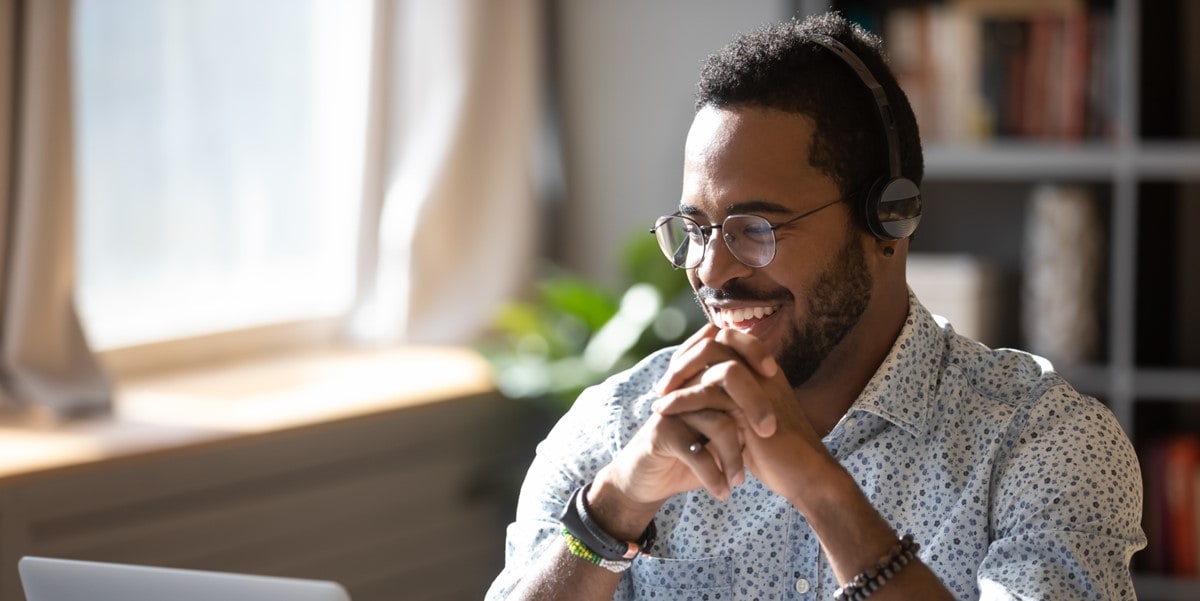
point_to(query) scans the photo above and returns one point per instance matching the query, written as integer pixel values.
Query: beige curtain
(46, 368)
(449, 222)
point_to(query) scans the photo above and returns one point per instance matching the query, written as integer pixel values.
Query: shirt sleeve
(581, 443)
(1067, 505)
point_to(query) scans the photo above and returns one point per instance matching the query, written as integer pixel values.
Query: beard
(836, 302)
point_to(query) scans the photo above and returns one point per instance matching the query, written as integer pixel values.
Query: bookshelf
(1140, 162)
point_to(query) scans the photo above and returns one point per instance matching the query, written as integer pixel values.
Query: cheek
(694, 282)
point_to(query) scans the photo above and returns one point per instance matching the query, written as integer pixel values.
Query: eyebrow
(740, 208)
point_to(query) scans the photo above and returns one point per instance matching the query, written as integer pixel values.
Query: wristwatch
(576, 519)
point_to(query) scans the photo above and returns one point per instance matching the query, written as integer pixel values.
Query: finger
(685, 349)
(705, 393)
(708, 330)
(678, 438)
(730, 387)
(748, 392)
(691, 362)
(751, 350)
(717, 442)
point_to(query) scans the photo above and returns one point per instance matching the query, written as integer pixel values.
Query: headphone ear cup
(892, 208)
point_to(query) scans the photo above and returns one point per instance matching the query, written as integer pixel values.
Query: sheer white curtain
(449, 219)
(45, 365)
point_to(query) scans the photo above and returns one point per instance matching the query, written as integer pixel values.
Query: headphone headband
(891, 209)
(877, 91)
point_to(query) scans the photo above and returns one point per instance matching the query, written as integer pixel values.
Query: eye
(691, 229)
(751, 229)
(757, 229)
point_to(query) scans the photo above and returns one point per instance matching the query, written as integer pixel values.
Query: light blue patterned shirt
(1015, 485)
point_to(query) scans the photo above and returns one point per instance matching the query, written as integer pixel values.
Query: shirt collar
(905, 385)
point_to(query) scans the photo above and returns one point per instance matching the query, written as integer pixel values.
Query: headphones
(891, 207)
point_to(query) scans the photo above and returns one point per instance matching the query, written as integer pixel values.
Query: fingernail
(766, 426)
(658, 405)
(769, 367)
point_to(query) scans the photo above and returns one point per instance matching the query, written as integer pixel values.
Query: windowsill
(183, 408)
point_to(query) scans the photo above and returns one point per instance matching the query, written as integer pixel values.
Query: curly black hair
(780, 67)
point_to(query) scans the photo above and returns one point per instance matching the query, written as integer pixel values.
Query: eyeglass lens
(750, 239)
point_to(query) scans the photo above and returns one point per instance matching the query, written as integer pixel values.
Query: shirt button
(803, 586)
(851, 422)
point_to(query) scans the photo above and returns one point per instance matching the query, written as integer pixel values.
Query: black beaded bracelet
(861, 586)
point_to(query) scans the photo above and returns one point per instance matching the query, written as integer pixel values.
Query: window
(219, 147)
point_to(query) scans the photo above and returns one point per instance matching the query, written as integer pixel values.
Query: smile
(741, 317)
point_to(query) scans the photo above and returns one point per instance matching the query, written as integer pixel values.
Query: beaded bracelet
(578, 549)
(861, 586)
(577, 519)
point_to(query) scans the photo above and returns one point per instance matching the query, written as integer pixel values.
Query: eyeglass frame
(706, 234)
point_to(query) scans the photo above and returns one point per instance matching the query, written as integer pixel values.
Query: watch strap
(578, 521)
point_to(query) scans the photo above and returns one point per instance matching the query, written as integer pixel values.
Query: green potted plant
(573, 333)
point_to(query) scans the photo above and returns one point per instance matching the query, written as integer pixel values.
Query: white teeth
(732, 317)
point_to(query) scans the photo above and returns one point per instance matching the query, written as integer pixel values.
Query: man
(824, 437)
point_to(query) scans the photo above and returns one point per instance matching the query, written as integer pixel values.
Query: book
(1172, 505)
(980, 69)
(1157, 554)
(963, 289)
(1181, 459)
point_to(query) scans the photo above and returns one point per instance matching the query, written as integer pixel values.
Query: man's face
(803, 304)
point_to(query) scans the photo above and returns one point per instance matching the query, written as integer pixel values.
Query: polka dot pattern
(1016, 485)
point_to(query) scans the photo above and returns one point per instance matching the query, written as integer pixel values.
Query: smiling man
(825, 436)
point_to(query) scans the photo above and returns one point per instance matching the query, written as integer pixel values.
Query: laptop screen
(46, 579)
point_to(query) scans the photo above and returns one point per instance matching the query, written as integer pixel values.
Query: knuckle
(726, 336)
(707, 346)
(716, 372)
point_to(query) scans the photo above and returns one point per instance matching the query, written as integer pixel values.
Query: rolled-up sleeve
(577, 447)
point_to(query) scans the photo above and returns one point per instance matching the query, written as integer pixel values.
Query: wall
(627, 71)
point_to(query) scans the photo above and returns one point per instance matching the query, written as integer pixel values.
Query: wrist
(825, 486)
(587, 539)
(615, 511)
(850, 529)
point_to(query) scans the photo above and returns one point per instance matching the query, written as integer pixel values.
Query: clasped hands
(723, 386)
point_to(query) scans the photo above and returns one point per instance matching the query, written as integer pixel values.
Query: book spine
(980, 70)
(1181, 461)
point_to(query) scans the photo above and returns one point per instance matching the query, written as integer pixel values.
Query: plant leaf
(573, 296)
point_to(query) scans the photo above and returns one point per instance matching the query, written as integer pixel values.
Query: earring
(888, 251)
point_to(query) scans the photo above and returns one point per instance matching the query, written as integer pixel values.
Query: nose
(719, 266)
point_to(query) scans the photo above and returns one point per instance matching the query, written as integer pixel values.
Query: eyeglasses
(750, 238)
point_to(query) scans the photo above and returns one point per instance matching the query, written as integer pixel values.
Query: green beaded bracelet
(577, 549)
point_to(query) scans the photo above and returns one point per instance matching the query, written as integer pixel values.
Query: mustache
(737, 291)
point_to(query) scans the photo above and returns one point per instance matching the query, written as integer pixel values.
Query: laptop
(47, 579)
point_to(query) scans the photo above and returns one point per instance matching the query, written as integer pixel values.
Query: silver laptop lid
(47, 579)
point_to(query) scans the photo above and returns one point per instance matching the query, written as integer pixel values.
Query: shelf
(1169, 160)
(1151, 587)
(1168, 384)
(1020, 161)
(1023, 161)
(1143, 178)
